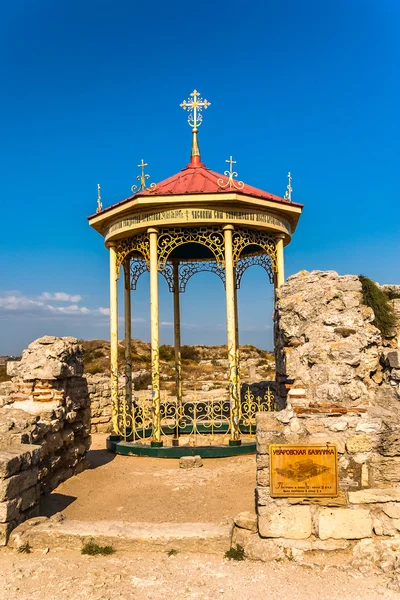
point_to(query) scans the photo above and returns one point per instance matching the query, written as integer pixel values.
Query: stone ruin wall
(338, 379)
(326, 344)
(343, 384)
(44, 427)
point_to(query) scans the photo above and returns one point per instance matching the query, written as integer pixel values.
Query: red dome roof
(197, 179)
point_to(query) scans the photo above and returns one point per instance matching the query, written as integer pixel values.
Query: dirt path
(129, 488)
(68, 575)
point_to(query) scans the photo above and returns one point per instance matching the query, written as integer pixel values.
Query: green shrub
(385, 318)
(90, 547)
(94, 368)
(142, 382)
(25, 548)
(235, 553)
(189, 353)
(167, 353)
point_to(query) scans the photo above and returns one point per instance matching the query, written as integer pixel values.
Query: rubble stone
(246, 520)
(190, 462)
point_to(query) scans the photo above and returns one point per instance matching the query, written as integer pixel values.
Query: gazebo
(196, 220)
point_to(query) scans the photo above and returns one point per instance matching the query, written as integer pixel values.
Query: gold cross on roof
(232, 183)
(142, 178)
(195, 106)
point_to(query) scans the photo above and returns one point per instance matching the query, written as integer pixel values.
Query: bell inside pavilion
(196, 220)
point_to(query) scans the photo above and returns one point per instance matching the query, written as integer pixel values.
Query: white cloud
(166, 323)
(72, 309)
(16, 304)
(61, 297)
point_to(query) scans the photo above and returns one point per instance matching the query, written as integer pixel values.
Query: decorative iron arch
(138, 266)
(244, 263)
(136, 243)
(169, 239)
(252, 237)
(189, 268)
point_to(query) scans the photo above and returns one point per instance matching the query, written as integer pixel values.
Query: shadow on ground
(54, 503)
(98, 458)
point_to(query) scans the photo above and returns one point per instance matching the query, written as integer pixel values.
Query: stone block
(30, 497)
(312, 544)
(338, 425)
(393, 359)
(267, 423)
(385, 470)
(10, 463)
(5, 530)
(9, 510)
(18, 457)
(264, 550)
(392, 510)
(292, 522)
(50, 358)
(390, 444)
(15, 485)
(359, 443)
(324, 439)
(190, 462)
(344, 523)
(246, 520)
(240, 537)
(262, 461)
(369, 425)
(383, 525)
(263, 477)
(263, 495)
(374, 496)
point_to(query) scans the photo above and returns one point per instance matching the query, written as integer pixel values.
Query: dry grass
(97, 360)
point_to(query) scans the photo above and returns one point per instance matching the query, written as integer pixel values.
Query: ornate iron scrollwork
(139, 266)
(189, 268)
(252, 237)
(136, 243)
(212, 238)
(262, 260)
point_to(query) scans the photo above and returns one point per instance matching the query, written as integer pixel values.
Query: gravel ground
(68, 575)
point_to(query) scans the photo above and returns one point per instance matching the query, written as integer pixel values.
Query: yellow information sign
(308, 470)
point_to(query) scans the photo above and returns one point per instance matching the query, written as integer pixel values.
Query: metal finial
(232, 183)
(142, 178)
(288, 193)
(195, 105)
(99, 203)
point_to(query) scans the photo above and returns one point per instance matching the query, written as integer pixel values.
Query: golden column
(232, 339)
(237, 338)
(177, 346)
(128, 334)
(280, 266)
(154, 327)
(114, 335)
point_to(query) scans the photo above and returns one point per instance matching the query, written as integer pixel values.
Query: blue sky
(89, 88)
